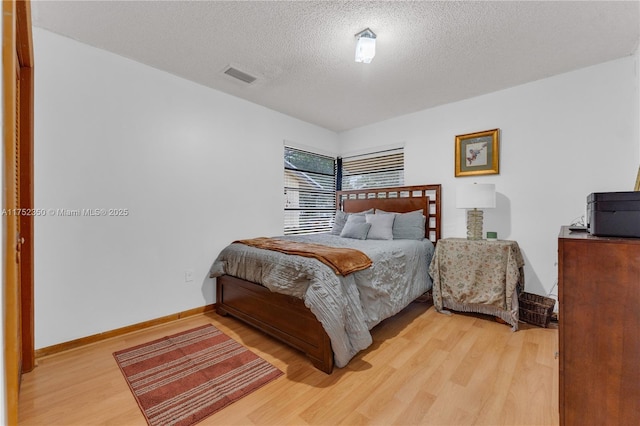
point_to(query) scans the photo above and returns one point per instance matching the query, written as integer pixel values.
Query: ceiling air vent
(242, 76)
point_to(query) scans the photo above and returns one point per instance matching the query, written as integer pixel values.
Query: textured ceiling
(428, 53)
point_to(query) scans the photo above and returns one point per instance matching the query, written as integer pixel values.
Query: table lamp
(473, 197)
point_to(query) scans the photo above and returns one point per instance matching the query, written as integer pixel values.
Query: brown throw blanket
(342, 260)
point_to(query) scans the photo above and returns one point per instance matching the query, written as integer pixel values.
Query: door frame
(17, 76)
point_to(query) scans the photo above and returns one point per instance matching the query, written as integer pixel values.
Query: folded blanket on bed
(342, 260)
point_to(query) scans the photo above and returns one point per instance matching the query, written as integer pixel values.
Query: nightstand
(478, 276)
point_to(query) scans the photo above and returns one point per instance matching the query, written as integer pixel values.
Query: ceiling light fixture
(365, 46)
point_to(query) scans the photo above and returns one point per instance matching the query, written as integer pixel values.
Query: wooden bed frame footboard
(284, 317)
(287, 318)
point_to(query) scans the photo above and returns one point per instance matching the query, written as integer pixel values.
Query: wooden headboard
(400, 199)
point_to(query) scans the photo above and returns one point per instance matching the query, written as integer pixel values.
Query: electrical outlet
(188, 275)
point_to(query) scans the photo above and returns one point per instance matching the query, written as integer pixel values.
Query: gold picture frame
(637, 187)
(478, 153)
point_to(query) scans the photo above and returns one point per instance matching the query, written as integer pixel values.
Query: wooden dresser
(599, 329)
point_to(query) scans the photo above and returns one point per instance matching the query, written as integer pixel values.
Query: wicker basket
(535, 309)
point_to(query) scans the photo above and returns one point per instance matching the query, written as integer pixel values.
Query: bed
(304, 303)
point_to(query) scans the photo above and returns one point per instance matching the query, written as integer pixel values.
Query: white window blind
(309, 191)
(383, 169)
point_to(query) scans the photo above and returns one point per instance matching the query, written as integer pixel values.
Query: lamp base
(474, 224)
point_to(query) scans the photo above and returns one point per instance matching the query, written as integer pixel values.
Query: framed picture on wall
(478, 153)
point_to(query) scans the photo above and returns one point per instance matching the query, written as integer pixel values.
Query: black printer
(614, 214)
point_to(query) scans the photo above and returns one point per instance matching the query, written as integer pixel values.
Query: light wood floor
(423, 368)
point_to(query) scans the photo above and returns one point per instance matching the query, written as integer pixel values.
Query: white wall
(561, 139)
(195, 168)
(637, 74)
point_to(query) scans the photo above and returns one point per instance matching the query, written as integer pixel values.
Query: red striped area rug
(184, 378)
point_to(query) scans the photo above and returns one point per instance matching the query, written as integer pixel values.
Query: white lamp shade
(365, 49)
(476, 196)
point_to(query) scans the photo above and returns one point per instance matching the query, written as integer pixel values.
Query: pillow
(381, 226)
(407, 226)
(355, 228)
(341, 219)
(338, 223)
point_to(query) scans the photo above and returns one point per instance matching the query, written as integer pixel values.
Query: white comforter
(347, 307)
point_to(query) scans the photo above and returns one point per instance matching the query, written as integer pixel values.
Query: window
(310, 184)
(309, 192)
(383, 169)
